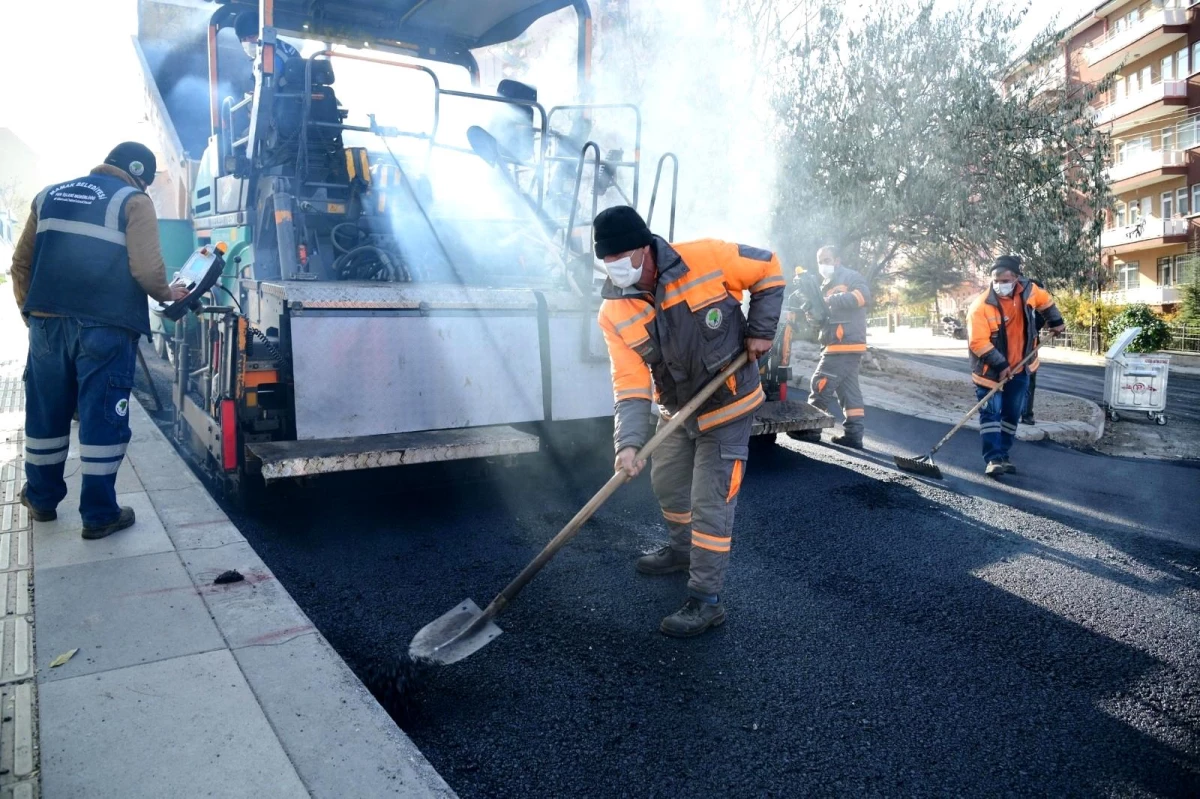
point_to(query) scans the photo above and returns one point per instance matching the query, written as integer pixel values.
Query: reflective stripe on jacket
(847, 296)
(987, 330)
(669, 344)
(80, 264)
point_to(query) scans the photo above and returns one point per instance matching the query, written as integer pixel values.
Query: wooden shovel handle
(614, 482)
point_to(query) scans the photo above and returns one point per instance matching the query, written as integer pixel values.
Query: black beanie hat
(245, 25)
(1007, 263)
(619, 229)
(136, 159)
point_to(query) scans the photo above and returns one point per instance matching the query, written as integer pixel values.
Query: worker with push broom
(673, 321)
(1002, 333)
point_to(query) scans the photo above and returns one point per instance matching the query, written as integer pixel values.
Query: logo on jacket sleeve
(713, 318)
(122, 407)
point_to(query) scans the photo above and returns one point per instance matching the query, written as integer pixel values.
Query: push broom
(924, 465)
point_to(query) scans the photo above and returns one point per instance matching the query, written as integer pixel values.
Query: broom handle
(980, 404)
(616, 481)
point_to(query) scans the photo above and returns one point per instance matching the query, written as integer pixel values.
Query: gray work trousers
(697, 483)
(837, 374)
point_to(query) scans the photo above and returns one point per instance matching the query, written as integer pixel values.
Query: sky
(73, 100)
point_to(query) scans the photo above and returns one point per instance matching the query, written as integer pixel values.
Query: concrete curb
(229, 687)
(1074, 432)
(339, 739)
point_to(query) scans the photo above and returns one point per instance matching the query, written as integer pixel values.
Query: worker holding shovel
(673, 321)
(1002, 333)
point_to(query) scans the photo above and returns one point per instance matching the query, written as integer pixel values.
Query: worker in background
(1039, 322)
(86, 260)
(672, 320)
(1001, 332)
(246, 26)
(843, 340)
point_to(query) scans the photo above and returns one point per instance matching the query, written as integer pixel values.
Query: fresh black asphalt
(886, 636)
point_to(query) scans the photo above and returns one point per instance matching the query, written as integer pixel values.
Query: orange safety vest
(668, 344)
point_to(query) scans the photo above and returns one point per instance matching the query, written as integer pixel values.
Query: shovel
(466, 629)
(924, 465)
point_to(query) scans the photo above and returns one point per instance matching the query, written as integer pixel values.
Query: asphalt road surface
(886, 635)
(1183, 390)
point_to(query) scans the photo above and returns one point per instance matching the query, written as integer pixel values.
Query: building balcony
(1150, 231)
(1150, 295)
(1154, 101)
(1157, 29)
(1145, 169)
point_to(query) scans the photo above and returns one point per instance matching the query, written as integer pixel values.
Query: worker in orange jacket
(1001, 332)
(672, 320)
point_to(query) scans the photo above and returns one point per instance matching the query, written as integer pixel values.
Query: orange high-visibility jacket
(669, 344)
(847, 296)
(987, 330)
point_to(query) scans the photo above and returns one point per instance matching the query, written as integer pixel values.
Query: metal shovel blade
(453, 635)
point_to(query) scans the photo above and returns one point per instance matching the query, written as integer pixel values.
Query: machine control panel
(199, 274)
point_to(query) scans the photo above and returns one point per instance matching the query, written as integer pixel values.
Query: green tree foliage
(1155, 334)
(931, 270)
(897, 136)
(1189, 304)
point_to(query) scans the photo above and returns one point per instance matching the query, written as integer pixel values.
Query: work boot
(665, 561)
(34, 513)
(694, 618)
(995, 469)
(1028, 420)
(126, 519)
(811, 436)
(1008, 467)
(847, 440)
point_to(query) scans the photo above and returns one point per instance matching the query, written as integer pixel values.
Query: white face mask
(826, 270)
(251, 49)
(622, 272)
(1003, 289)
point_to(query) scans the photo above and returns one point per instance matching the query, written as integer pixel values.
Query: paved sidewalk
(178, 687)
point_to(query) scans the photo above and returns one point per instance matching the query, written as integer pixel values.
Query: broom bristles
(923, 466)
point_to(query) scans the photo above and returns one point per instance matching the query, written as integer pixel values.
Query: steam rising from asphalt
(689, 66)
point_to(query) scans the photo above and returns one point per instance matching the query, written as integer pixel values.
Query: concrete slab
(205, 535)
(341, 740)
(184, 507)
(58, 543)
(257, 610)
(158, 465)
(119, 613)
(97, 730)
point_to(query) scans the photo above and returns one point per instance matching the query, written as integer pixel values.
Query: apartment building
(1151, 239)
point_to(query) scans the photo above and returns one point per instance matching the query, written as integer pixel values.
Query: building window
(1168, 138)
(1188, 133)
(1181, 202)
(1119, 216)
(1127, 276)
(1181, 64)
(1196, 198)
(1167, 201)
(1164, 272)
(1196, 55)
(1185, 268)
(1167, 68)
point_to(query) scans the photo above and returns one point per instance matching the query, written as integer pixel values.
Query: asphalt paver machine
(397, 271)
